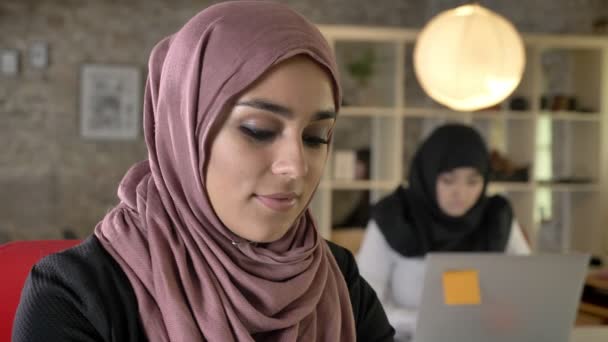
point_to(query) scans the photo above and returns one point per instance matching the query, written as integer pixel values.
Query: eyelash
(266, 136)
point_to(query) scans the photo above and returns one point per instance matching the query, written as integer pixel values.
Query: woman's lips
(278, 201)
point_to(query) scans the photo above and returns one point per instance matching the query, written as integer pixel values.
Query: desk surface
(598, 278)
(589, 334)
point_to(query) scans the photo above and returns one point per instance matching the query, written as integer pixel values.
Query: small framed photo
(9, 62)
(110, 101)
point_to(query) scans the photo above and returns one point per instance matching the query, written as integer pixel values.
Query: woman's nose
(290, 160)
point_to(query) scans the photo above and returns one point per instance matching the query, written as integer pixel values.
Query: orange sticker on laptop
(461, 287)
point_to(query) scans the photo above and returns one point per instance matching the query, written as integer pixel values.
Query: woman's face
(268, 155)
(458, 190)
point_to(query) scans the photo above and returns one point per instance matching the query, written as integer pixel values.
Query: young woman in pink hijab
(212, 239)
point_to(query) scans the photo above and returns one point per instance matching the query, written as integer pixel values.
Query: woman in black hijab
(444, 208)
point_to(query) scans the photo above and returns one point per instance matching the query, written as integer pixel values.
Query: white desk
(590, 334)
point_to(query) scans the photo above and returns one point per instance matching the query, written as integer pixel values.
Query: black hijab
(411, 220)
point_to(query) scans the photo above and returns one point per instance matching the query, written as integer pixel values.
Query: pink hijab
(191, 282)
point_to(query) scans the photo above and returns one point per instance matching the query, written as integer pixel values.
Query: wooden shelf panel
(357, 111)
(570, 116)
(358, 185)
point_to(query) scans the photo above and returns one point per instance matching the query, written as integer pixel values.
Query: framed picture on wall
(110, 101)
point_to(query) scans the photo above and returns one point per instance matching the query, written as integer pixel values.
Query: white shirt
(398, 280)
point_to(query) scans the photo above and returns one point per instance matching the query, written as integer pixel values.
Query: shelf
(382, 33)
(570, 116)
(393, 115)
(369, 33)
(511, 186)
(526, 186)
(358, 185)
(570, 187)
(490, 115)
(415, 112)
(504, 114)
(564, 41)
(505, 186)
(356, 111)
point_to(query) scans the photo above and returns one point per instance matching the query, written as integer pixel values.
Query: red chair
(16, 261)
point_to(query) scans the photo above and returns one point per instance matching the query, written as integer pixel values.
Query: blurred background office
(72, 73)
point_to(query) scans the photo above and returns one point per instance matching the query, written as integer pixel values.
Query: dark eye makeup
(266, 135)
(258, 134)
(314, 141)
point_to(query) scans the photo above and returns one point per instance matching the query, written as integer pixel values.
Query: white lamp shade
(469, 58)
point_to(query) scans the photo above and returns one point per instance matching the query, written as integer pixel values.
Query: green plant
(362, 68)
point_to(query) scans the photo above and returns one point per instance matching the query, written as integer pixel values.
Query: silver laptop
(483, 297)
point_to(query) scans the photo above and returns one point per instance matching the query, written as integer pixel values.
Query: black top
(411, 219)
(407, 236)
(82, 294)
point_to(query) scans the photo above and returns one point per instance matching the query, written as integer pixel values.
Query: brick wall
(52, 179)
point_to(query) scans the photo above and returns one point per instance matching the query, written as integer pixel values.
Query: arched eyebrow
(283, 111)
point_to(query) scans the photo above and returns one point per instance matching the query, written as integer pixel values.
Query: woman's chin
(267, 236)
(456, 213)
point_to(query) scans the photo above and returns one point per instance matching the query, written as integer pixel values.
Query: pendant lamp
(469, 58)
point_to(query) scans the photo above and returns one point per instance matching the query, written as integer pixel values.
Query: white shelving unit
(386, 115)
